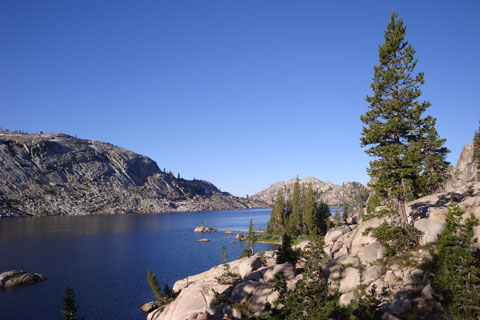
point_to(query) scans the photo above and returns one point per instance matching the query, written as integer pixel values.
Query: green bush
(456, 268)
(285, 253)
(395, 239)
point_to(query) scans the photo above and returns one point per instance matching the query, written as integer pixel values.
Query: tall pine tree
(476, 151)
(276, 225)
(295, 219)
(395, 131)
(310, 212)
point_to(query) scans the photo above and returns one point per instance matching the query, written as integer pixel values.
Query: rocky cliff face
(326, 191)
(465, 171)
(56, 174)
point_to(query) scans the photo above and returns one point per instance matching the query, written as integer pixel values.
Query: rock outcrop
(325, 191)
(466, 170)
(15, 278)
(355, 266)
(56, 174)
(196, 294)
(201, 229)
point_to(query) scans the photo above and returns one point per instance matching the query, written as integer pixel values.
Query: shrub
(395, 239)
(228, 277)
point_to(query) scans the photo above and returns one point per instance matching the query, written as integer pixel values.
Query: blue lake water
(105, 258)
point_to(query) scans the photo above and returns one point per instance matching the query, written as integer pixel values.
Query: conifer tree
(345, 212)
(153, 283)
(251, 238)
(337, 218)
(395, 130)
(310, 211)
(295, 218)
(276, 225)
(322, 218)
(476, 151)
(434, 153)
(69, 308)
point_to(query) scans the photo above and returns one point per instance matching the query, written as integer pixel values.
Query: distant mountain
(325, 191)
(56, 174)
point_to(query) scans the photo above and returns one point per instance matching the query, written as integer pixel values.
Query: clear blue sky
(240, 93)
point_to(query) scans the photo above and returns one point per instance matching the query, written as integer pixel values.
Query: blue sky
(240, 93)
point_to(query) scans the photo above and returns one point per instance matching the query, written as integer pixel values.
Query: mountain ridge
(57, 174)
(326, 191)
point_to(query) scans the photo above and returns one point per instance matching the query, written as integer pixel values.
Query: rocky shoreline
(354, 265)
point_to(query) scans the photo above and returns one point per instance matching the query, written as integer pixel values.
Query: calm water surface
(105, 258)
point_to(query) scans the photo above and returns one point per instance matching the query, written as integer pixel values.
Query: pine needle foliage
(300, 214)
(408, 154)
(69, 307)
(456, 268)
(285, 253)
(476, 151)
(395, 239)
(161, 298)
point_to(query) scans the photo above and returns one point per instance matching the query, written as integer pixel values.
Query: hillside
(56, 174)
(325, 191)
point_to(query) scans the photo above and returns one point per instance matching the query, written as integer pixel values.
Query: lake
(106, 258)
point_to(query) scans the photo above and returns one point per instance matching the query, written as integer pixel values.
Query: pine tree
(345, 212)
(394, 130)
(310, 211)
(456, 269)
(285, 253)
(295, 219)
(322, 218)
(435, 167)
(276, 225)
(251, 238)
(69, 308)
(337, 218)
(476, 151)
(153, 283)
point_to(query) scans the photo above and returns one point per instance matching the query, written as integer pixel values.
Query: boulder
(333, 272)
(371, 274)
(240, 237)
(359, 241)
(228, 232)
(350, 280)
(334, 233)
(149, 307)
(16, 278)
(431, 230)
(263, 294)
(201, 229)
(346, 259)
(248, 265)
(286, 269)
(346, 298)
(242, 291)
(203, 240)
(371, 252)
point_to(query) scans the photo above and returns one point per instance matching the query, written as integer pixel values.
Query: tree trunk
(402, 212)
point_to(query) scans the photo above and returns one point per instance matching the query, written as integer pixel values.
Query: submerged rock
(16, 278)
(203, 240)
